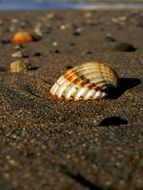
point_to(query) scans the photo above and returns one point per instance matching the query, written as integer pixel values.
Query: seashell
(19, 66)
(22, 37)
(90, 80)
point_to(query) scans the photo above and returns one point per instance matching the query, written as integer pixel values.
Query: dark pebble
(109, 38)
(72, 44)
(57, 51)
(37, 54)
(89, 52)
(77, 33)
(125, 47)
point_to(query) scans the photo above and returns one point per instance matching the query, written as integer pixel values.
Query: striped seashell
(90, 80)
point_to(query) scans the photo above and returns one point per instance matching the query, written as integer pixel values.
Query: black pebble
(89, 52)
(126, 47)
(57, 51)
(37, 54)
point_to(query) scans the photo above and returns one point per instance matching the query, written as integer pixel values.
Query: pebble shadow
(124, 84)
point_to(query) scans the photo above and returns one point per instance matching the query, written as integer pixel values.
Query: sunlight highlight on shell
(89, 81)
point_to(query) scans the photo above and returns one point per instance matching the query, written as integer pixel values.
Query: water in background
(70, 4)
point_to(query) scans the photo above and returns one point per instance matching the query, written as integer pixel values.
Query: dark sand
(53, 144)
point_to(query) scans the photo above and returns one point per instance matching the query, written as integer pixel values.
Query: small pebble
(72, 44)
(89, 52)
(88, 15)
(57, 51)
(18, 66)
(14, 20)
(17, 54)
(18, 47)
(55, 43)
(37, 29)
(63, 27)
(109, 38)
(37, 54)
(50, 15)
(77, 32)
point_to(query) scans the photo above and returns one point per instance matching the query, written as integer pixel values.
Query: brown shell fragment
(90, 80)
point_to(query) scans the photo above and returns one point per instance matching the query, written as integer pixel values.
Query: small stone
(109, 38)
(77, 32)
(72, 44)
(19, 66)
(89, 52)
(17, 54)
(37, 54)
(119, 20)
(57, 51)
(63, 27)
(50, 15)
(14, 20)
(88, 15)
(18, 47)
(125, 47)
(55, 43)
(37, 29)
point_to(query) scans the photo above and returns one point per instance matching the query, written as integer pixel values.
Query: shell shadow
(79, 178)
(84, 182)
(110, 121)
(124, 84)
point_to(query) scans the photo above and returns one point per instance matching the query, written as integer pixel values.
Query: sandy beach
(50, 144)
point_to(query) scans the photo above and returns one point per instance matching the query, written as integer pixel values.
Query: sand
(47, 143)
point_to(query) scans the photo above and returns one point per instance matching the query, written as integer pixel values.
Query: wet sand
(47, 143)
